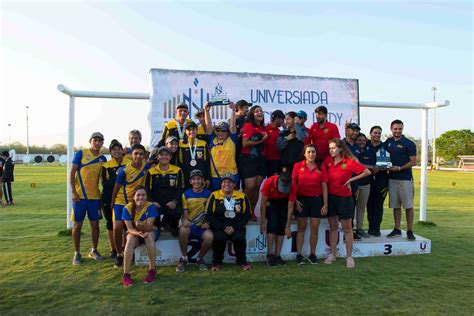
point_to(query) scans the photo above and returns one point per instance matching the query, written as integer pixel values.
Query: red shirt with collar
(270, 189)
(306, 182)
(339, 174)
(320, 136)
(271, 152)
(248, 130)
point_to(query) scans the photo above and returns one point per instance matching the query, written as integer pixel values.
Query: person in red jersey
(340, 167)
(272, 154)
(252, 158)
(275, 192)
(309, 193)
(321, 132)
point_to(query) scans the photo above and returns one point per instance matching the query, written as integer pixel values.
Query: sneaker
(362, 233)
(245, 266)
(118, 261)
(150, 277)
(330, 259)
(280, 261)
(312, 259)
(113, 254)
(350, 263)
(356, 237)
(410, 235)
(371, 232)
(77, 259)
(181, 267)
(94, 254)
(201, 265)
(215, 267)
(127, 280)
(377, 233)
(299, 259)
(271, 260)
(395, 233)
(253, 217)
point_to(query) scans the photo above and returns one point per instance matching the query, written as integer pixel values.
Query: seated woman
(139, 216)
(227, 212)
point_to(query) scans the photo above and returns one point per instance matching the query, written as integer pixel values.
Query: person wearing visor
(165, 185)
(309, 195)
(228, 212)
(177, 126)
(194, 154)
(84, 186)
(272, 154)
(273, 214)
(223, 146)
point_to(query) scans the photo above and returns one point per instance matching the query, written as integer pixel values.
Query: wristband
(399, 169)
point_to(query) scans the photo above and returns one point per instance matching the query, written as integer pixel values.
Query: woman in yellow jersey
(108, 173)
(222, 144)
(139, 216)
(128, 178)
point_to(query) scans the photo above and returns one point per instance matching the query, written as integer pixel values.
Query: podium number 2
(388, 249)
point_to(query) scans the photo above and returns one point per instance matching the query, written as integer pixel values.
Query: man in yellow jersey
(128, 178)
(193, 224)
(177, 126)
(84, 183)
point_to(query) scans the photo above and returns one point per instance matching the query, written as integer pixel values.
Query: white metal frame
(146, 96)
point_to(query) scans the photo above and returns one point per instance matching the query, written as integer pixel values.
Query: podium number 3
(388, 249)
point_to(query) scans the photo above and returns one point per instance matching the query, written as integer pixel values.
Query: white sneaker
(330, 259)
(350, 263)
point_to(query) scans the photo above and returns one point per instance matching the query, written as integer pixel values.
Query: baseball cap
(242, 103)
(353, 126)
(170, 139)
(164, 148)
(278, 114)
(284, 182)
(182, 106)
(96, 135)
(223, 126)
(227, 176)
(196, 173)
(191, 125)
(199, 112)
(302, 114)
(115, 143)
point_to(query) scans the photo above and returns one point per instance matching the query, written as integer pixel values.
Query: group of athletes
(202, 182)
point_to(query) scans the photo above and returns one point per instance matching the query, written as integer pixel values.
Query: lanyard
(192, 151)
(180, 129)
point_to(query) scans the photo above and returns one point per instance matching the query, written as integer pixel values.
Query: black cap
(278, 114)
(96, 135)
(191, 124)
(242, 103)
(115, 143)
(228, 176)
(196, 173)
(353, 126)
(182, 106)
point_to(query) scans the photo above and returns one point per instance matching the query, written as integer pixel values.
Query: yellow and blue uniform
(149, 210)
(222, 155)
(87, 185)
(195, 204)
(171, 129)
(129, 177)
(108, 175)
(202, 134)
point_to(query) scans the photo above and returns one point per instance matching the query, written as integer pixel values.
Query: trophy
(218, 97)
(383, 158)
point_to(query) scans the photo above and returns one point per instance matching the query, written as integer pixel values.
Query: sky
(397, 50)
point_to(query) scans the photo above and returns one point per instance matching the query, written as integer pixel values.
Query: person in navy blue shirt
(401, 189)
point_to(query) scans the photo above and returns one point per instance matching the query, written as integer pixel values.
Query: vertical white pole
(424, 162)
(70, 156)
(27, 134)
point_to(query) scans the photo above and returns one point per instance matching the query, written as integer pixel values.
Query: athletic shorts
(401, 193)
(196, 232)
(141, 240)
(216, 183)
(252, 167)
(118, 211)
(91, 207)
(277, 213)
(311, 206)
(342, 206)
(273, 167)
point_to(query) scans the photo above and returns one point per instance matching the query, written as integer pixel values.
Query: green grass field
(36, 275)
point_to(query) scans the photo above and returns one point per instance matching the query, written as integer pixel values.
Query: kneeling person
(193, 225)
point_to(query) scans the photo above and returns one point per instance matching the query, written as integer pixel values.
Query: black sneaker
(113, 254)
(299, 259)
(312, 259)
(377, 233)
(356, 237)
(410, 235)
(118, 261)
(395, 233)
(271, 260)
(280, 261)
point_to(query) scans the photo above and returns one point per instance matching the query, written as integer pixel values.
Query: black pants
(220, 241)
(171, 217)
(7, 192)
(107, 211)
(377, 196)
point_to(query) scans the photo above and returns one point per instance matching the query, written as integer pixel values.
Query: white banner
(272, 92)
